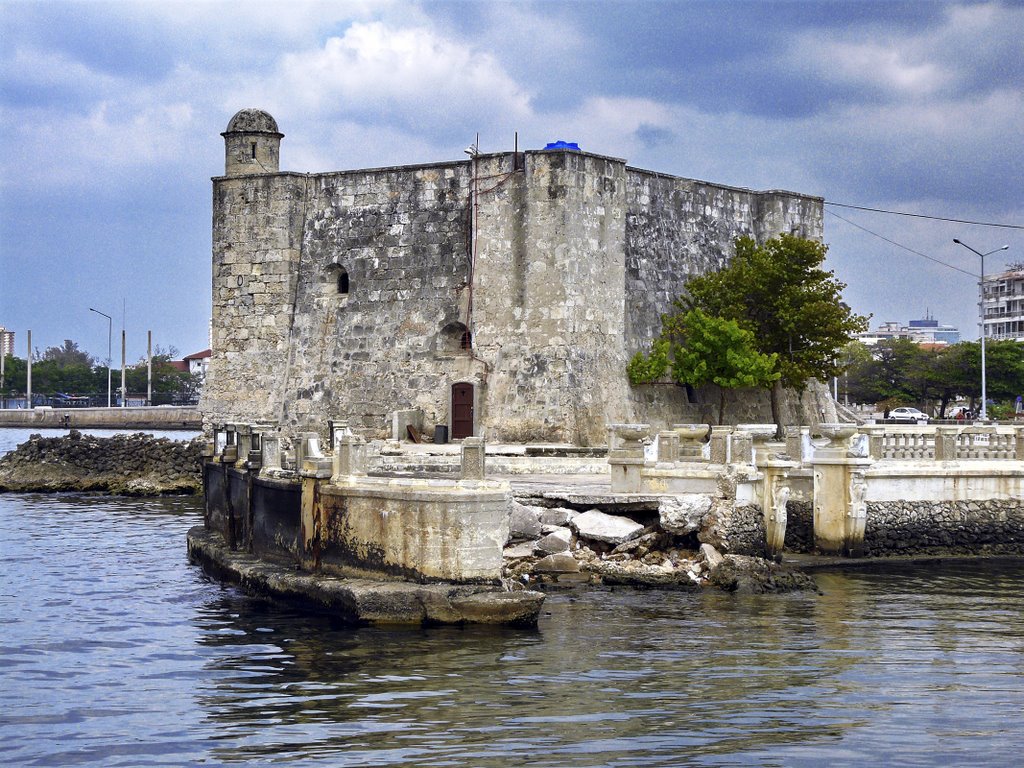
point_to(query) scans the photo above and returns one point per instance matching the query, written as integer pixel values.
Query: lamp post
(981, 309)
(110, 323)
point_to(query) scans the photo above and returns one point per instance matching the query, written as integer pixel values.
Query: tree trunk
(776, 392)
(721, 405)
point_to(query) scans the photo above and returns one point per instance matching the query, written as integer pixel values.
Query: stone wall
(548, 305)
(257, 237)
(679, 228)
(800, 526)
(967, 527)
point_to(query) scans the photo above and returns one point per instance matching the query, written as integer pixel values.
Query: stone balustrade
(945, 443)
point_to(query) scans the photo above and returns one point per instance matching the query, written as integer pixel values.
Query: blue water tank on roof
(570, 145)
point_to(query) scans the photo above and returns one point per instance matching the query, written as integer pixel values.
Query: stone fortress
(500, 295)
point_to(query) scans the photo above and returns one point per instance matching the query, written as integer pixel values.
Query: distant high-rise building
(1003, 303)
(925, 331)
(6, 342)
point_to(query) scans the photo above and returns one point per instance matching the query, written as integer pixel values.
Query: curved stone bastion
(368, 549)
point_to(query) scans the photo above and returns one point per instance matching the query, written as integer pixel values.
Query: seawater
(114, 651)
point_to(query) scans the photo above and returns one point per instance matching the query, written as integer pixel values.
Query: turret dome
(252, 121)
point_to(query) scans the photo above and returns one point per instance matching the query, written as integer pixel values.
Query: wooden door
(462, 411)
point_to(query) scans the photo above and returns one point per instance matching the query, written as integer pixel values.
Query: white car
(911, 415)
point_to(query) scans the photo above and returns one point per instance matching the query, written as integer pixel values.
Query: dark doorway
(462, 411)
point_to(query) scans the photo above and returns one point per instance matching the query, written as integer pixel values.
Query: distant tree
(794, 309)
(15, 370)
(900, 371)
(702, 349)
(67, 354)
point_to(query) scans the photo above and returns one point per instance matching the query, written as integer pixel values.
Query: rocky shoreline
(126, 465)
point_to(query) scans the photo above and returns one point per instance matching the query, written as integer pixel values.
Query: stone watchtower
(252, 143)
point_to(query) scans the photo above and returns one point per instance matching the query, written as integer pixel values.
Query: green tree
(779, 292)
(15, 370)
(67, 354)
(702, 349)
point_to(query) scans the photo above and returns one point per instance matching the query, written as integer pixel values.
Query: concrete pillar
(473, 458)
(720, 445)
(840, 506)
(349, 457)
(794, 444)
(307, 446)
(312, 470)
(270, 458)
(230, 453)
(742, 449)
(336, 427)
(945, 443)
(668, 447)
(1018, 443)
(876, 439)
(626, 460)
(243, 443)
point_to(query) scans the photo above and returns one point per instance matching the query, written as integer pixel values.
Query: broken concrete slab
(599, 526)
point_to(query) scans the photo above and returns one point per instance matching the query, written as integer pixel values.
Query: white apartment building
(6, 342)
(1003, 304)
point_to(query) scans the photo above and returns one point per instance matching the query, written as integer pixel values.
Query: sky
(111, 116)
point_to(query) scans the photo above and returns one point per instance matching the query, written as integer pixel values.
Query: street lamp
(981, 306)
(110, 323)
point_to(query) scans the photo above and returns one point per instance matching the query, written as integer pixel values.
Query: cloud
(411, 74)
(967, 50)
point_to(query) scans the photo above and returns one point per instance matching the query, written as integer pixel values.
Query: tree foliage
(780, 293)
(702, 349)
(67, 369)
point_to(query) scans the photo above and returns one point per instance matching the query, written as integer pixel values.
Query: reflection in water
(116, 652)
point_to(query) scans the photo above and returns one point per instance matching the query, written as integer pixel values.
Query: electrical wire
(925, 216)
(900, 245)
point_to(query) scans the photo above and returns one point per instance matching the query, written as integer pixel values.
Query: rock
(518, 551)
(637, 574)
(524, 522)
(712, 557)
(683, 514)
(645, 542)
(740, 573)
(598, 526)
(137, 465)
(556, 541)
(557, 516)
(561, 562)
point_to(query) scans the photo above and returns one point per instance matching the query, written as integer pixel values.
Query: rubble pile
(564, 546)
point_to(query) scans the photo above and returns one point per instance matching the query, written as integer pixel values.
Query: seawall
(158, 417)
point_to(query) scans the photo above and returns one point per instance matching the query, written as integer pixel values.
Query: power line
(924, 216)
(900, 245)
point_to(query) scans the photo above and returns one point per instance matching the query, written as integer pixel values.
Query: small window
(454, 338)
(253, 148)
(342, 281)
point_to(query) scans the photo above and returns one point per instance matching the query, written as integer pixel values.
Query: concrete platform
(364, 601)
